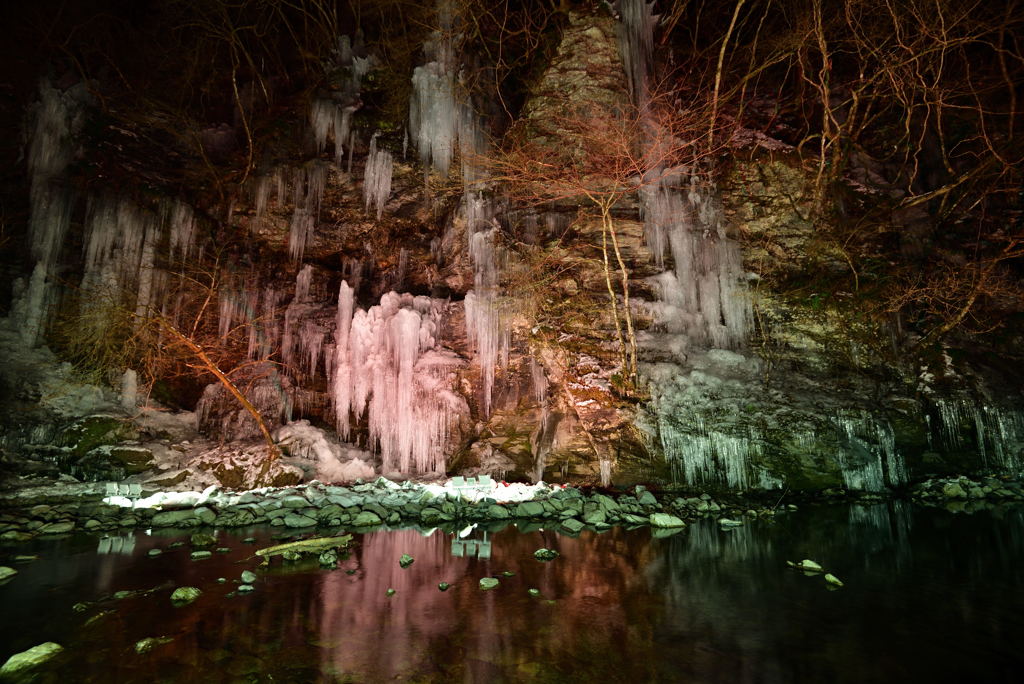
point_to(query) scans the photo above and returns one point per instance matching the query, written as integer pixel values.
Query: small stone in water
(727, 522)
(390, 592)
(508, 573)
(6, 573)
(489, 583)
(405, 561)
(245, 588)
(443, 586)
(201, 555)
(291, 556)
(806, 565)
(25, 559)
(223, 549)
(329, 559)
(249, 540)
(154, 552)
(183, 595)
(545, 554)
(533, 592)
(248, 576)
(174, 545)
(201, 540)
(350, 572)
(222, 580)
(146, 645)
(833, 580)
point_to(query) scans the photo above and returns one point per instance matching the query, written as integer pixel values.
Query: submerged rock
(245, 588)
(806, 565)
(405, 561)
(443, 586)
(833, 580)
(185, 595)
(19, 664)
(6, 572)
(202, 540)
(953, 490)
(489, 583)
(248, 577)
(146, 645)
(545, 554)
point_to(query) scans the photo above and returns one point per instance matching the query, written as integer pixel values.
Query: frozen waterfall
(389, 369)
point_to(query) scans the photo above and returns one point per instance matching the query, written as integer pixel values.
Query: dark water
(930, 596)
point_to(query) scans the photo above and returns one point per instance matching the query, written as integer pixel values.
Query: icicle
(636, 43)
(308, 193)
(387, 367)
(402, 269)
(331, 120)
(57, 119)
(538, 381)
(486, 327)
(703, 297)
(377, 179)
(433, 116)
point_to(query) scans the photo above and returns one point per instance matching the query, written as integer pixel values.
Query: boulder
(19, 665)
(530, 509)
(298, 520)
(665, 520)
(366, 519)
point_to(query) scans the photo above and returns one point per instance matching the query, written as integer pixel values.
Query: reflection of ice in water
(706, 540)
(124, 544)
(352, 623)
(472, 548)
(881, 526)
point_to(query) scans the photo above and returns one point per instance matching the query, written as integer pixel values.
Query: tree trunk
(209, 365)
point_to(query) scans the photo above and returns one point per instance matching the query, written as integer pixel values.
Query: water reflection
(708, 605)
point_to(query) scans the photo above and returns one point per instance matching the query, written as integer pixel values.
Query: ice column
(57, 118)
(702, 296)
(377, 177)
(389, 369)
(308, 194)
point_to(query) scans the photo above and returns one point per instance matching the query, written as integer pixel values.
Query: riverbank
(54, 508)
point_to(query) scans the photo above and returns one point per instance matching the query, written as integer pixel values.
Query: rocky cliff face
(424, 317)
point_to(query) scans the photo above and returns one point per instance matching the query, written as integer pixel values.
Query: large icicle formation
(703, 296)
(996, 433)
(636, 38)
(308, 193)
(441, 118)
(330, 114)
(57, 117)
(122, 245)
(377, 177)
(389, 368)
(486, 327)
(701, 300)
